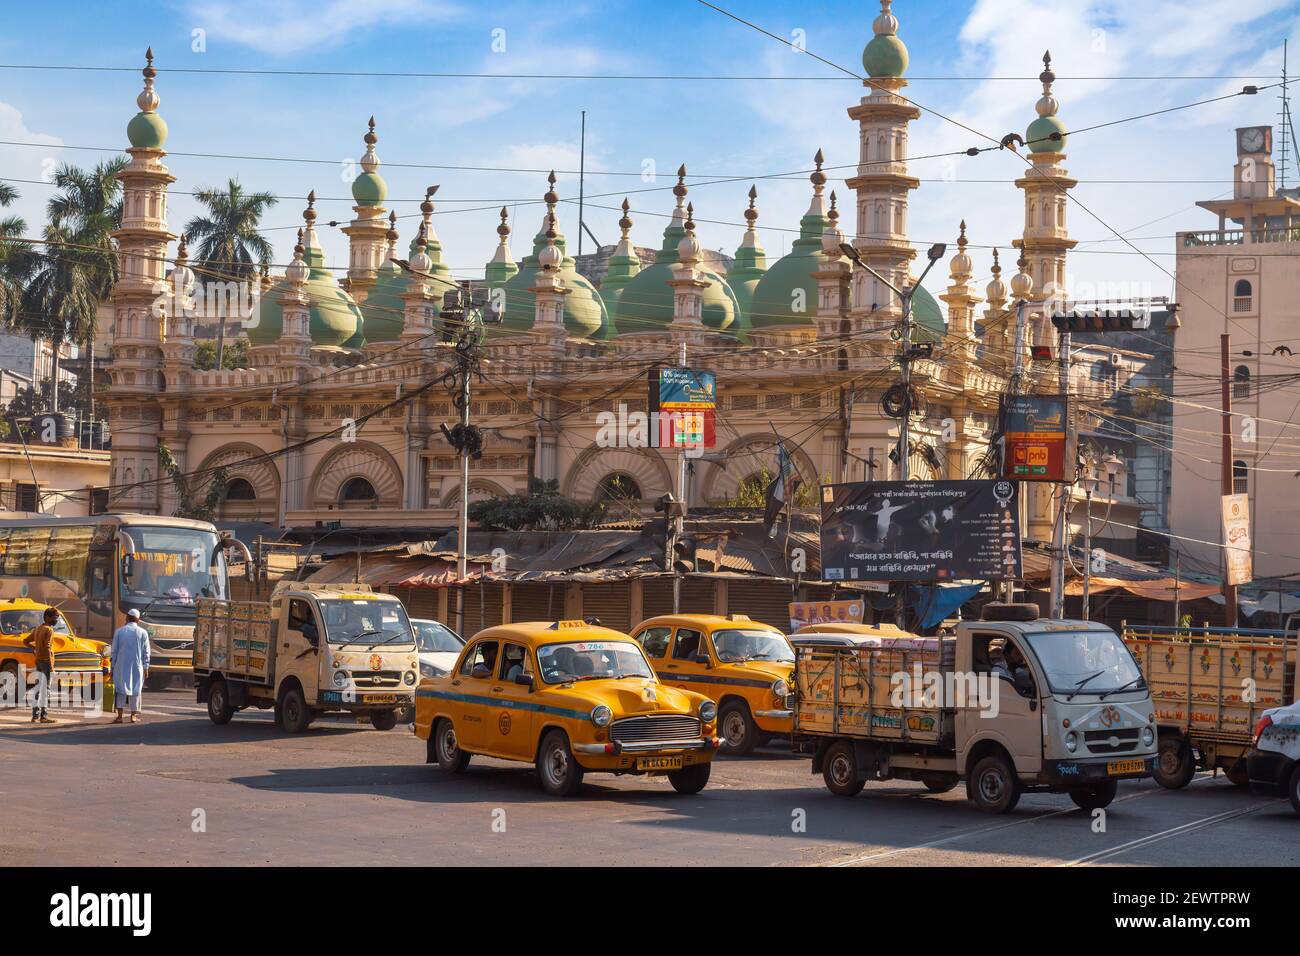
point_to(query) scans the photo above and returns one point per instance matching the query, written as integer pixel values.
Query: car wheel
(1293, 789)
(219, 709)
(1094, 798)
(993, 786)
(295, 715)
(1174, 766)
(690, 779)
(446, 748)
(737, 729)
(383, 719)
(560, 774)
(939, 782)
(840, 770)
(10, 691)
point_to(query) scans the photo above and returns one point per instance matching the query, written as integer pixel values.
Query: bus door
(100, 573)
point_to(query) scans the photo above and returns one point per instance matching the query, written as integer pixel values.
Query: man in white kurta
(130, 661)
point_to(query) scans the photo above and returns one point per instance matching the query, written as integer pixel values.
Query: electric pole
(677, 523)
(1225, 473)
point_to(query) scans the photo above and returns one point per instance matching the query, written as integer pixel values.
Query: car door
(1017, 723)
(473, 684)
(655, 642)
(299, 653)
(681, 669)
(508, 729)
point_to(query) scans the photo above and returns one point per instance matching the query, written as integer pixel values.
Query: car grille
(172, 644)
(1111, 741)
(789, 701)
(77, 660)
(635, 730)
(368, 679)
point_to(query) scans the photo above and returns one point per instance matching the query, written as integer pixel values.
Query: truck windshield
(1084, 662)
(170, 568)
(588, 660)
(751, 645)
(361, 621)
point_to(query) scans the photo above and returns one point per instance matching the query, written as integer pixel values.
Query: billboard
(685, 400)
(1236, 539)
(803, 613)
(920, 530)
(1036, 438)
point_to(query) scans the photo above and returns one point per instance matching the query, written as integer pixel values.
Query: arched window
(1240, 478)
(618, 486)
(240, 489)
(1241, 382)
(357, 491)
(1242, 294)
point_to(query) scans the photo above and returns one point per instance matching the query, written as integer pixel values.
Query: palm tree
(11, 227)
(229, 245)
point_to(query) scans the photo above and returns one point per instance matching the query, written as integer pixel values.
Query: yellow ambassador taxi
(77, 661)
(744, 665)
(571, 698)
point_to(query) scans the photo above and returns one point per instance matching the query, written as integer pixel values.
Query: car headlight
(708, 711)
(601, 715)
(1148, 736)
(428, 670)
(340, 678)
(779, 689)
(408, 678)
(1071, 741)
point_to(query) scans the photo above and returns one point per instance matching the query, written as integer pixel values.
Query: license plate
(659, 763)
(379, 699)
(178, 662)
(1118, 767)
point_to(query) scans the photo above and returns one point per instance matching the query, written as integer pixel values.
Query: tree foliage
(197, 496)
(233, 356)
(542, 509)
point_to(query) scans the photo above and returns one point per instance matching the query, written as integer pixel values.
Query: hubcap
(733, 731)
(449, 743)
(841, 772)
(991, 786)
(1169, 762)
(557, 765)
(291, 710)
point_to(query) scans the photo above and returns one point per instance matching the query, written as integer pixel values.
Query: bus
(96, 569)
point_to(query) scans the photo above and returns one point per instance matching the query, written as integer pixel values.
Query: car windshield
(357, 620)
(28, 619)
(436, 638)
(1085, 662)
(751, 645)
(587, 660)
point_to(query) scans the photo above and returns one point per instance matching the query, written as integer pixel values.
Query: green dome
(585, 315)
(383, 311)
(622, 270)
(335, 319)
(369, 189)
(147, 131)
(646, 302)
(774, 298)
(885, 56)
(748, 269)
(1037, 136)
(927, 317)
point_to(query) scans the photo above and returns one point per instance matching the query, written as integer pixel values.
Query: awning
(1157, 589)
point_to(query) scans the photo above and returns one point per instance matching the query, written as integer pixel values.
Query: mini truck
(311, 649)
(1009, 704)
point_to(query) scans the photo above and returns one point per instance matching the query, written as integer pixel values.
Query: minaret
(1046, 185)
(688, 285)
(432, 245)
(961, 299)
(995, 327)
(294, 347)
(623, 264)
(420, 314)
(503, 265)
(882, 182)
(366, 233)
(135, 372)
(833, 277)
(750, 264)
(178, 325)
(548, 290)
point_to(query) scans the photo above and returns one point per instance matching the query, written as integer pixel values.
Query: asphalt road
(86, 792)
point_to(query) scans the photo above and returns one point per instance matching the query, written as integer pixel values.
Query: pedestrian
(39, 640)
(130, 661)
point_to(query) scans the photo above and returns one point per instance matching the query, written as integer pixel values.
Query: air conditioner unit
(1114, 358)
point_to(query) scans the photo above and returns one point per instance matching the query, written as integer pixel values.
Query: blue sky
(748, 129)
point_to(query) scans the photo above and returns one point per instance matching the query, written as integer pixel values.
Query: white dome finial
(886, 24)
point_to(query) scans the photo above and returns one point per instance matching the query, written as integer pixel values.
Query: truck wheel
(939, 782)
(219, 709)
(1293, 789)
(737, 729)
(295, 715)
(446, 749)
(1174, 767)
(993, 786)
(383, 719)
(1094, 798)
(840, 770)
(560, 773)
(1237, 773)
(690, 779)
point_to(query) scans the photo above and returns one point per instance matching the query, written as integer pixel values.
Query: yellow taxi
(855, 627)
(571, 698)
(744, 665)
(77, 661)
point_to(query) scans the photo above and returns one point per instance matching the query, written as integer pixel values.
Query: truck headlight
(601, 715)
(340, 678)
(708, 711)
(1148, 736)
(1071, 741)
(779, 689)
(408, 678)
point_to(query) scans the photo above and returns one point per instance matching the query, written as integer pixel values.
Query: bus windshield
(171, 567)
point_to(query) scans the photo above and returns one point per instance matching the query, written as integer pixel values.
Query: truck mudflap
(1073, 773)
(350, 700)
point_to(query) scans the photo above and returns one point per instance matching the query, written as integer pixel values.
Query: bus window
(68, 554)
(26, 553)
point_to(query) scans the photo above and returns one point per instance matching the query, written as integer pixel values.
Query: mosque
(803, 347)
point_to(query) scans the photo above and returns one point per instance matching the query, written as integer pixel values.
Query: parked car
(1274, 761)
(438, 646)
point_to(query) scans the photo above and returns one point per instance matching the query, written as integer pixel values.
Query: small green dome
(646, 302)
(147, 131)
(384, 309)
(787, 293)
(1037, 137)
(369, 189)
(885, 56)
(585, 315)
(335, 319)
(927, 317)
(746, 272)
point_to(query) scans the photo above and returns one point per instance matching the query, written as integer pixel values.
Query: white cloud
(27, 163)
(291, 26)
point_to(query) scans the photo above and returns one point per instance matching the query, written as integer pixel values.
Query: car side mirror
(701, 659)
(524, 680)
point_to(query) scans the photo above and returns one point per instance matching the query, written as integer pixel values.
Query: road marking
(1183, 830)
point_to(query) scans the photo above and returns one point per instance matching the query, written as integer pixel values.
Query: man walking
(130, 661)
(39, 640)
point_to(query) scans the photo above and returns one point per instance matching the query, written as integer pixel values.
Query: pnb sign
(1037, 439)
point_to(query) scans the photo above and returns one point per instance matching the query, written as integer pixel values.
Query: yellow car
(744, 665)
(78, 661)
(854, 627)
(571, 698)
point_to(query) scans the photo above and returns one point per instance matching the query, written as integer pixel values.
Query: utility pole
(1061, 527)
(1225, 472)
(677, 522)
(462, 524)
(582, 170)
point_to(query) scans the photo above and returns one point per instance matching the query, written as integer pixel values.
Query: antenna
(582, 170)
(1286, 140)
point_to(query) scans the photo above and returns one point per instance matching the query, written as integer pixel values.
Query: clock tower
(1253, 176)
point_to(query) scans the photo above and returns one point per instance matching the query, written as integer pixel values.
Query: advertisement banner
(682, 388)
(803, 613)
(1036, 437)
(920, 531)
(1236, 539)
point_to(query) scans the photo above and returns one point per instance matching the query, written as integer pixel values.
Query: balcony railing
(1238, 237)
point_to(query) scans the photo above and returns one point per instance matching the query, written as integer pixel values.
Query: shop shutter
(610, 603)
(482, 607)
(537, 602)
(420, 602)
(697, 596)
(764, 599)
